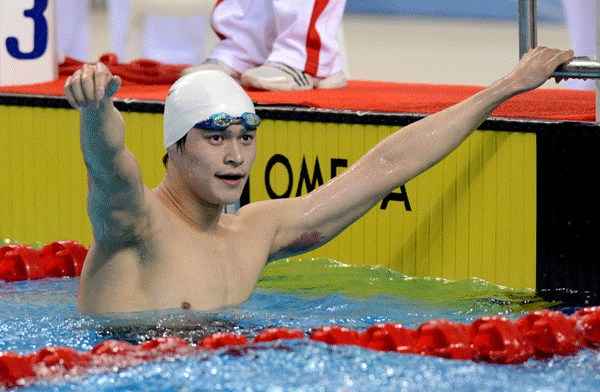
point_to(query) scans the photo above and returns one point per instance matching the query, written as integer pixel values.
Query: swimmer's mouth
(230, 177)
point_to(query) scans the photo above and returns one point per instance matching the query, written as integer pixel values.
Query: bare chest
(207, 271)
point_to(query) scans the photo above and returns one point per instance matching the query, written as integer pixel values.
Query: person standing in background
(278, 44)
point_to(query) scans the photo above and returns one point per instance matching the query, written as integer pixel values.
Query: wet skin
(172, 246)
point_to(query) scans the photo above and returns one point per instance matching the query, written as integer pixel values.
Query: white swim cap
(197, 96)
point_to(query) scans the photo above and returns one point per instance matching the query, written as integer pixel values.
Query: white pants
(298, 33)
(171, 40)
(581, 22)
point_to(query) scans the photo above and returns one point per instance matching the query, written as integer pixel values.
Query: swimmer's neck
(194, 211)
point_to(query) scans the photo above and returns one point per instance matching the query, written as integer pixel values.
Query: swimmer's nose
(233, 154)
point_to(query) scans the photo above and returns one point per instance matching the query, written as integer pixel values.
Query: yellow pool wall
(472, 215)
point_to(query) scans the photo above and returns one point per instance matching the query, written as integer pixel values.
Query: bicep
(307, 222)
(310, 221)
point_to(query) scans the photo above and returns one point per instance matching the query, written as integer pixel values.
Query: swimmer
(173, 247)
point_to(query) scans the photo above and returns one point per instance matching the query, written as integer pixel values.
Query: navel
(186, 305)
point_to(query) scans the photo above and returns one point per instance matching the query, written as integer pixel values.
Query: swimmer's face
(215, 164)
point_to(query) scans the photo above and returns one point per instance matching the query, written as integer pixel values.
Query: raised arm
(115, 189)
(309, 221)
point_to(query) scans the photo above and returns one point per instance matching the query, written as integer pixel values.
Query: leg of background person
(305, 54)
(247, 31)
(72, 29)
(306, 35)
(581, 22)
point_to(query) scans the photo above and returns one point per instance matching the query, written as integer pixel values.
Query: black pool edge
(568, 215)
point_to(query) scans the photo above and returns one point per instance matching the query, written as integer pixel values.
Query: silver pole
(579, 67)
(527, 26)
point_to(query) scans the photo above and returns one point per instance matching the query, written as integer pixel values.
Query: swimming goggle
(222, 121)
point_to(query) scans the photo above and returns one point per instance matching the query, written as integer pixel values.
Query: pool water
(302, 295)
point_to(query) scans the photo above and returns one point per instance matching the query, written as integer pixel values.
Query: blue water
(35, 314)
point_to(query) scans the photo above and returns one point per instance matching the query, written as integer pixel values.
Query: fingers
(88, 86)
(544, 61)
(99, 82)
(551, 57)
(537, 66)
(559, 57)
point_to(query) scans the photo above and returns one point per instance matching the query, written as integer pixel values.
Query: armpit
(304, 243)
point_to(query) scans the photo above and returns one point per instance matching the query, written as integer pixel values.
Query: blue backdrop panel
(548, 10)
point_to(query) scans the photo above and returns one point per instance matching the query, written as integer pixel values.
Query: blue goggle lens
(222, 121)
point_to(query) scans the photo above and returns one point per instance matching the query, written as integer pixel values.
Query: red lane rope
(493, 339)
(56, 260)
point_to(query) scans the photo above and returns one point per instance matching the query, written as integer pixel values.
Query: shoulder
(257, 213)
(268, 216)
(267, 211)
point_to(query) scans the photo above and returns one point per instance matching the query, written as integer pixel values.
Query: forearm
(102, 133)
(115, 183)
(418, 146)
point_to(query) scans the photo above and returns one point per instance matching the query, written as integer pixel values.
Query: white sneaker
(275, 76)
(213, 64)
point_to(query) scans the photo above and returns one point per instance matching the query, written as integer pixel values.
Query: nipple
(185, 305)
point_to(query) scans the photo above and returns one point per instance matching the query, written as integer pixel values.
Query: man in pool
(173, 247)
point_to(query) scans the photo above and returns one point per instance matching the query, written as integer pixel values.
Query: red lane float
(550, 333)
(491, 339)
(15, 370)
(443, 338)
(222, 339)
(587, 325)
(20, 262)
(272, 334)
(55, 260)
(63, 258)
(389, 337)
(496, 339)
(335, 334)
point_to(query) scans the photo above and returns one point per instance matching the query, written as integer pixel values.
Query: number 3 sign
(27, 42)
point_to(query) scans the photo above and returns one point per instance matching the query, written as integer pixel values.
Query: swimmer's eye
(247, 138)
(215, 139)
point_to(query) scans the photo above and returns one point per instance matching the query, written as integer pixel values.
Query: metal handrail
(579, 67)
